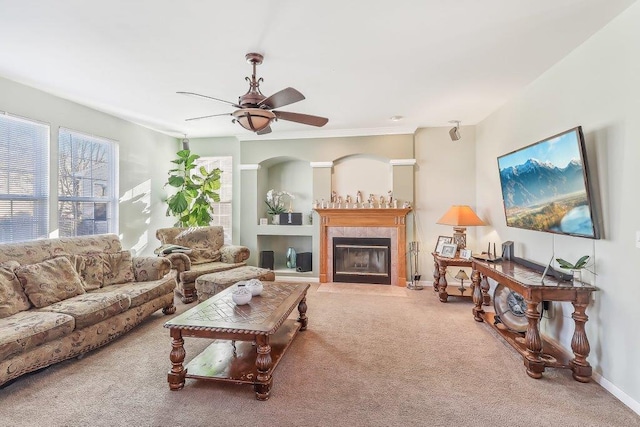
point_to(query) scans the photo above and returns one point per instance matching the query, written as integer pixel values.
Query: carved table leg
(436, 276)
(177, 372)
(484, 290)
(264, 365)
(484, 287)
(580, 344)
(532, 360)
(442, 284)
(477, 296)
(302, 318)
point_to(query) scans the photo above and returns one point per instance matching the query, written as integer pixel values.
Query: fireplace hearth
(362, 260)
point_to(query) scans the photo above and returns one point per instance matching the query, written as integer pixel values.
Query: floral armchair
(205, 253)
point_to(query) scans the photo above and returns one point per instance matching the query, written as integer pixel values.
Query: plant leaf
(582, 262)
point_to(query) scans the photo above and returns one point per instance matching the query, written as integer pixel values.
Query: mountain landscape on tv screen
(541, 196)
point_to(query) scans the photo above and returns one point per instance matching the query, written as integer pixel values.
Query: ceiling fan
(256, 112)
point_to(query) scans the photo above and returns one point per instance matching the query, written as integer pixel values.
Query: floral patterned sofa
(207, 254)
(60, 298)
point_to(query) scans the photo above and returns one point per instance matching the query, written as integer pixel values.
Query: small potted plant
(576, 268)
(275, 204)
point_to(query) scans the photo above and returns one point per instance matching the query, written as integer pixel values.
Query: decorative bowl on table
(255, 286)
(241, 295)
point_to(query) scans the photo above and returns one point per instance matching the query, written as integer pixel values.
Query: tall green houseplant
(196, 190)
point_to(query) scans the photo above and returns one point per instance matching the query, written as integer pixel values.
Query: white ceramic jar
(241, 295)
(255, 286)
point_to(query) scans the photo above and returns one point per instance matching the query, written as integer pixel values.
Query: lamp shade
(461, 216)
(254, 119)
(462, 275)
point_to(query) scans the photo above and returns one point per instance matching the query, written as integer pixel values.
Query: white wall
(598, 87)
(445, 172)
(141, 177)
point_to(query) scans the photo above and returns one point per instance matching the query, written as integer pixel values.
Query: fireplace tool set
(413, 263)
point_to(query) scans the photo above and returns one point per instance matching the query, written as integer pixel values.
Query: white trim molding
(249, 167)
(402, 162)
(321, 164)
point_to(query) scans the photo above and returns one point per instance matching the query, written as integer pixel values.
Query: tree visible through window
(222, 211)
(24, 179)
(87, 195)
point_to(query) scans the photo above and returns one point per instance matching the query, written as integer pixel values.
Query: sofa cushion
(90, 308)
(28, 329)
(204, 242)
(142, 292)
(12, 296)
(118, 268)
(49, 281)
(198, 270)
(90, 267)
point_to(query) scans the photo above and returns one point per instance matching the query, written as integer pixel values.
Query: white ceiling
(357, 62)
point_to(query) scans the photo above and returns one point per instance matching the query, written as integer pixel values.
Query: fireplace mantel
(365, 218)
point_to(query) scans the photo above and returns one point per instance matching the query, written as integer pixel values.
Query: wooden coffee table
(249, 339)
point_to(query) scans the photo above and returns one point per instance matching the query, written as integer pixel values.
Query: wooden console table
(440, 283)
(537, 352)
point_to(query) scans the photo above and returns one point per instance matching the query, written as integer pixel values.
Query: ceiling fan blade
(306, 119)
(208, 97)
(280, 99)
(206, 117)
(264, 131)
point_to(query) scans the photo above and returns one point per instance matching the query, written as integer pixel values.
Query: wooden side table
(440, 284)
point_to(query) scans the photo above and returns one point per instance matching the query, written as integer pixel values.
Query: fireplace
(362, 260)
(364, 223)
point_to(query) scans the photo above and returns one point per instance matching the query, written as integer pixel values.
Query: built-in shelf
(285, 230)
(292, 272)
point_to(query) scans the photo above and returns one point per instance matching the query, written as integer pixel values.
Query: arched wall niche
(366, 173)
(289, 174)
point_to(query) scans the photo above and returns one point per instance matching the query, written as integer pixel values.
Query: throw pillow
(118, 268)
(204, 242)
(12, 296)
(50, 281)
(90, 267)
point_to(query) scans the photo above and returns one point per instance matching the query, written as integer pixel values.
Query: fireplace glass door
(361, 260)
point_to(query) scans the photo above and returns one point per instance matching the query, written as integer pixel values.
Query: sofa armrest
(232, 254)
(146, 268)
(179, 262)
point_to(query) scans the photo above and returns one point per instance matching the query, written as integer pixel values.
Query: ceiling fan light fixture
(254, 119)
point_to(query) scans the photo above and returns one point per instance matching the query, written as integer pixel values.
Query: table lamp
(462, 276)
(461, 217)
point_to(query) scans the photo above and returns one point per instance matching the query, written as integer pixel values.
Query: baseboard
(617, 393)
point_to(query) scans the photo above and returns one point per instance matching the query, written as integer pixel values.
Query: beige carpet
(368, 359)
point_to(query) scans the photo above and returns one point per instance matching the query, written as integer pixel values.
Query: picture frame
(465, 253)
(449, 250)
(441, 241)
(263, 221)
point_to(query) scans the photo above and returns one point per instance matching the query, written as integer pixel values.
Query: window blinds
(24, 179)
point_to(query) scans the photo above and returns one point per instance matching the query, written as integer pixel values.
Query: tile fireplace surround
(364, 222)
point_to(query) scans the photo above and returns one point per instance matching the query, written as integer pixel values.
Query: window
(87, 194)
(222, 211)
(24, 179)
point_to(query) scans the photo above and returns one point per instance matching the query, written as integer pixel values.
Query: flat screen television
(545, 186)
